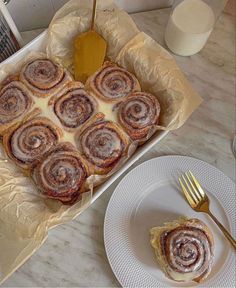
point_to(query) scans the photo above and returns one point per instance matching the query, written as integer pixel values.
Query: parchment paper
(25, 218)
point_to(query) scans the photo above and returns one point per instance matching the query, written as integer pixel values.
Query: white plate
(150, 195)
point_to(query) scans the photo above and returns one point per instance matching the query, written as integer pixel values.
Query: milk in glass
(189, 27)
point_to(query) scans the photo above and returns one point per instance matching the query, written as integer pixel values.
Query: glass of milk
(190, 24)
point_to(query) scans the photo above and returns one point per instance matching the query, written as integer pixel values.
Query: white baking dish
(39, 44)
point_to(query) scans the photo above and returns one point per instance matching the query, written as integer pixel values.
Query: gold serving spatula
(89, 51)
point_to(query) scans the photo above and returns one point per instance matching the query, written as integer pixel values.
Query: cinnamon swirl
(44, 77)
(15, 102)
(62, 174)
(112, 83)
(75, 106)
(184, 249)
(27, 143)
(103, 144)
(138, 114)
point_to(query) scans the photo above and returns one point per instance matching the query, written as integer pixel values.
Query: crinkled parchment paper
(25, 215)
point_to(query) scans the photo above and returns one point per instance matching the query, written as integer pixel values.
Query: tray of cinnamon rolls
(61, 132)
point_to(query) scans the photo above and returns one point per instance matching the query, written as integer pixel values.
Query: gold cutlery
(199, 201)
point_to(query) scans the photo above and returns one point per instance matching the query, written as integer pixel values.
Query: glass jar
(190, 24)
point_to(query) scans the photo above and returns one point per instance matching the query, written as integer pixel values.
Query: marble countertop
(74, 254)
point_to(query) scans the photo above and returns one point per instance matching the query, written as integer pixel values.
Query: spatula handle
(94, 14)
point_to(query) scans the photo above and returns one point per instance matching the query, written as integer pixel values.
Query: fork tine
(187, 195)
(189, 190)
(197, 185)
(195, 191)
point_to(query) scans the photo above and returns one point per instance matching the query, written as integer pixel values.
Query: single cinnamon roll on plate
(103, 144)
(15, 102)
(27, 143)
(62, 173)
(74, 106)
(138, 114)
(44, 77)
(112, 83)
(184, 249)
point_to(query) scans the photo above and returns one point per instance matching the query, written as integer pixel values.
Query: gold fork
(199, 201)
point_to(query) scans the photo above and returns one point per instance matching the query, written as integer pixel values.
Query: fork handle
(224, 231)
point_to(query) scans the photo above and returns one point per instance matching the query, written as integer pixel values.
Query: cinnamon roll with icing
(138, 114)
(74, 106)
(112, 83)
(27, 143)
(44, 77)
(15, 102)
(184, 249)
(103, 144)
(62, 173)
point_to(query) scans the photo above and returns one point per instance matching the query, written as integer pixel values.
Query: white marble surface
(74, 255)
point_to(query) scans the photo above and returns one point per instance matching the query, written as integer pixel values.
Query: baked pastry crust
(112, 83)
(27, 142)
(74, 107)
(103, 144)
(138, 114)
(44, 77)
(184, 249)
(62, 173)
(16, 100)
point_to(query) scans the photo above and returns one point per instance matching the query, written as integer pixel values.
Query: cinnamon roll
(27, 143)
(103, 144)
(75, 106)
(184, 249)
(62, 174)
(15, 102)
(112, 83)
(138, 114)
(44, 77)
